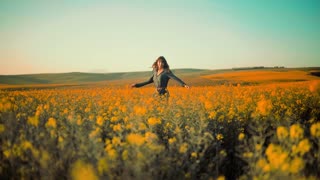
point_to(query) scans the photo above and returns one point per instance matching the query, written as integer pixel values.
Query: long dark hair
(164, 64)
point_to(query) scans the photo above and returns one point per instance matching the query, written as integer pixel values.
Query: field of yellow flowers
(217, 132)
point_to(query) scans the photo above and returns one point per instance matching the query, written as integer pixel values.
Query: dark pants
(163, 93)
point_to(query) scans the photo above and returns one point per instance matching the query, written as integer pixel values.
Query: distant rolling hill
(79, 77)
(194, 77)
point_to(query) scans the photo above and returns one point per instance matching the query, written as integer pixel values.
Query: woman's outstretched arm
(143, 83)
(172, 76)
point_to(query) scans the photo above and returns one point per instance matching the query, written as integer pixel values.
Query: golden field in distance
(194, 77)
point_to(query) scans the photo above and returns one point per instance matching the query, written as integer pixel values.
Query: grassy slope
(77, 77)
(194, 77)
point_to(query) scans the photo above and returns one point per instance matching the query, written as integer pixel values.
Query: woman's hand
(133, 85)
(186, 86)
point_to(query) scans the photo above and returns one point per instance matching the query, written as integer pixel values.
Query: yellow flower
(296, 165)
(183, 148)
(99, 120)
(219, 137)
(282, 133)
(154, 121)
(258, 147)
(142, 126)
(114, 119)
(7, 153)
(262, 163)
(285, 167)
(296, 132)
(94, 133)
(208, 105)
(276, 155)
(314, 86)
(212, 114)
(116, 140)
(303, 147)
(112, 153)
(150, 137)
(247, 154)
(34, 121)
(223, 153)
(60, 139)
(83, 171)
(172, 140)
(315, 129)
(264, 106)
(51, 123)
(139, 110)
(117, 127)
(194, 155)
(241, 136)
(26, 145)
(135, 139)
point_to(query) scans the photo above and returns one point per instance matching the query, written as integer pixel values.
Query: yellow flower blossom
(117, 127)
(150, 137)
(303, 147)
(276, 155)
(296, 165)
(314, 86)
(282, 133)
(34, 121)
(208, 105)
(135, 139)
(142, 126)
(194, 154)
(221, 178)
(83, 171)
(26, 145)
(261, 163)
(172, 140)
(183, 148)
(140, 110)
(154, 121)
(258, 147)
(264, 106)
(241, 136)
(112, 153)
(247, 154)
(51, 123)
(99, 120)
(296, 132)
(219, 137)
(315, 129)
(116, 140)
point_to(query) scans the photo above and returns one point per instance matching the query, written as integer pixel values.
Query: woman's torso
(160, 80)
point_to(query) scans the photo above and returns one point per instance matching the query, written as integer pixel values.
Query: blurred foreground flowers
(202, 133)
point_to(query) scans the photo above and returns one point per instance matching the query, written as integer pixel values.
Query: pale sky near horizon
(43, 36)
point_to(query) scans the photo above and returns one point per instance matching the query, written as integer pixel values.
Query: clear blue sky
(42, 36)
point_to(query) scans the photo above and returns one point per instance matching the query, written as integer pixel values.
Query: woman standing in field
(161, 76)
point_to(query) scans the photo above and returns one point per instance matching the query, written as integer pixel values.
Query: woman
(161, 76)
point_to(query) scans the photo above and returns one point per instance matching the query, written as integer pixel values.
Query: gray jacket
(161, 81)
